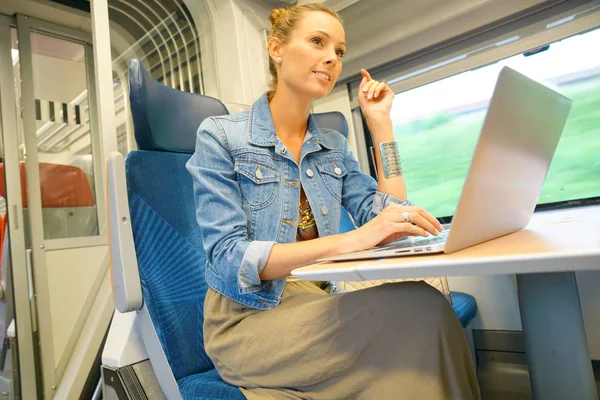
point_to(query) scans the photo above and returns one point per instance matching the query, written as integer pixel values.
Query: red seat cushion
(61, 186)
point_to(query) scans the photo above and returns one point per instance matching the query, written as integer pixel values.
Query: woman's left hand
(374, 97)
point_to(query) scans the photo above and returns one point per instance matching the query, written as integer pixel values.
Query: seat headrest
(332, 120)
(60, 186)
(166, 119)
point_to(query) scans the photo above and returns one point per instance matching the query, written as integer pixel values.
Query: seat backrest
(68, 204)
(168, 246)
(166, 119)
(60, 186)
(335, 120)
(332, 120)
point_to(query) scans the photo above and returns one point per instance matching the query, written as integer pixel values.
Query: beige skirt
(395, 341)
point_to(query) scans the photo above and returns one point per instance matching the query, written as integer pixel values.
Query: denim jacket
(247, 189)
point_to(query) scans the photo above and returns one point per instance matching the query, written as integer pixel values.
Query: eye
(340, 53)
(317, 41)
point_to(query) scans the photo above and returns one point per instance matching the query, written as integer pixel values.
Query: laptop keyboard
(415, 241)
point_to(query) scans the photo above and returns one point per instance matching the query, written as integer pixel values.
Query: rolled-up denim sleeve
(382, 200)
(360, 195)
(222, 221)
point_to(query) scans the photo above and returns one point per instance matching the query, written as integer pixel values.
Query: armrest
(127, 290)
(124, 344)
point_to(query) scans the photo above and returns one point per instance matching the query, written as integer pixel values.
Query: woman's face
(312, 56)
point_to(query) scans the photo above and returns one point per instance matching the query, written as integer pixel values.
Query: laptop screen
(437, 126)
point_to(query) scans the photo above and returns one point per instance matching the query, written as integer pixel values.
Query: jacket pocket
(258, 181)
(333, 173)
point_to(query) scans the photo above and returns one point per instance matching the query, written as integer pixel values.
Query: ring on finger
(406, 216)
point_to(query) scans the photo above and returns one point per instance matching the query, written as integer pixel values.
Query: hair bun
(276, 15)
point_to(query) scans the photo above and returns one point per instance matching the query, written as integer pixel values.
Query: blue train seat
(335, 120)
(168, 247)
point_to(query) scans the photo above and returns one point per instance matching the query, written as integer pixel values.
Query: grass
(436, 153)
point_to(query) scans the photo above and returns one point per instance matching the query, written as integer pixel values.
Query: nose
(331, 58)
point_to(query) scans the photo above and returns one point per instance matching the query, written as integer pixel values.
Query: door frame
(52, 369)
(14, 206)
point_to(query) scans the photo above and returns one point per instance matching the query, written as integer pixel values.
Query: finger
(363, 81)
(397, 214)
(366, 74)
(370, 88)
(373, 89)
(401, 229)
(378, 89)
(368, 85)
(433, 220)
(414, 217)
(421, 221)
(409, 229)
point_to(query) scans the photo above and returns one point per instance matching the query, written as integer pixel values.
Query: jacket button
(324, 210)
(257, 173)
(283, 150)
(337, 170)
(309, 173)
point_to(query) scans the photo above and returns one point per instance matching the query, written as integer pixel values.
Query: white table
(544, 257)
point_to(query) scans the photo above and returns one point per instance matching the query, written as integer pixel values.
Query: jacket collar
(261, 130)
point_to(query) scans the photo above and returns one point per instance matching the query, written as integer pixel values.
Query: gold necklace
(307, 219)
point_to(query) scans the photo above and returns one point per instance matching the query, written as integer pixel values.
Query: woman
(268, 186)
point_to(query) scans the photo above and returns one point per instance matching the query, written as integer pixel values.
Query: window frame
(536, 30)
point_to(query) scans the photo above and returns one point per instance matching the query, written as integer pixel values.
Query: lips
(323, 75)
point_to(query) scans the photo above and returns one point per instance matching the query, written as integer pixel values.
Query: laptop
(522, 127)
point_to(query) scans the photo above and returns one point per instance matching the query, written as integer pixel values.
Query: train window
(437, 125)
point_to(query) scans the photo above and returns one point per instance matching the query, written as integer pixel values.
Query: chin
(321, 92)
(320, 95)
(314, 91)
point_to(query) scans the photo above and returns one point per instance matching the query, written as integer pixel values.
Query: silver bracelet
(390, 159)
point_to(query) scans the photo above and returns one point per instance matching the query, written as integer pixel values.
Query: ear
(276, 49)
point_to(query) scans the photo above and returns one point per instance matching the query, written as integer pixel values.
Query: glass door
(59, 156)
(51, 192)
(17, 354)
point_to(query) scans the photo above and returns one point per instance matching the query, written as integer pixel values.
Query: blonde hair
(283, 21)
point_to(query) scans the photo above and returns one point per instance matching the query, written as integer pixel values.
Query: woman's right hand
(390, 226)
